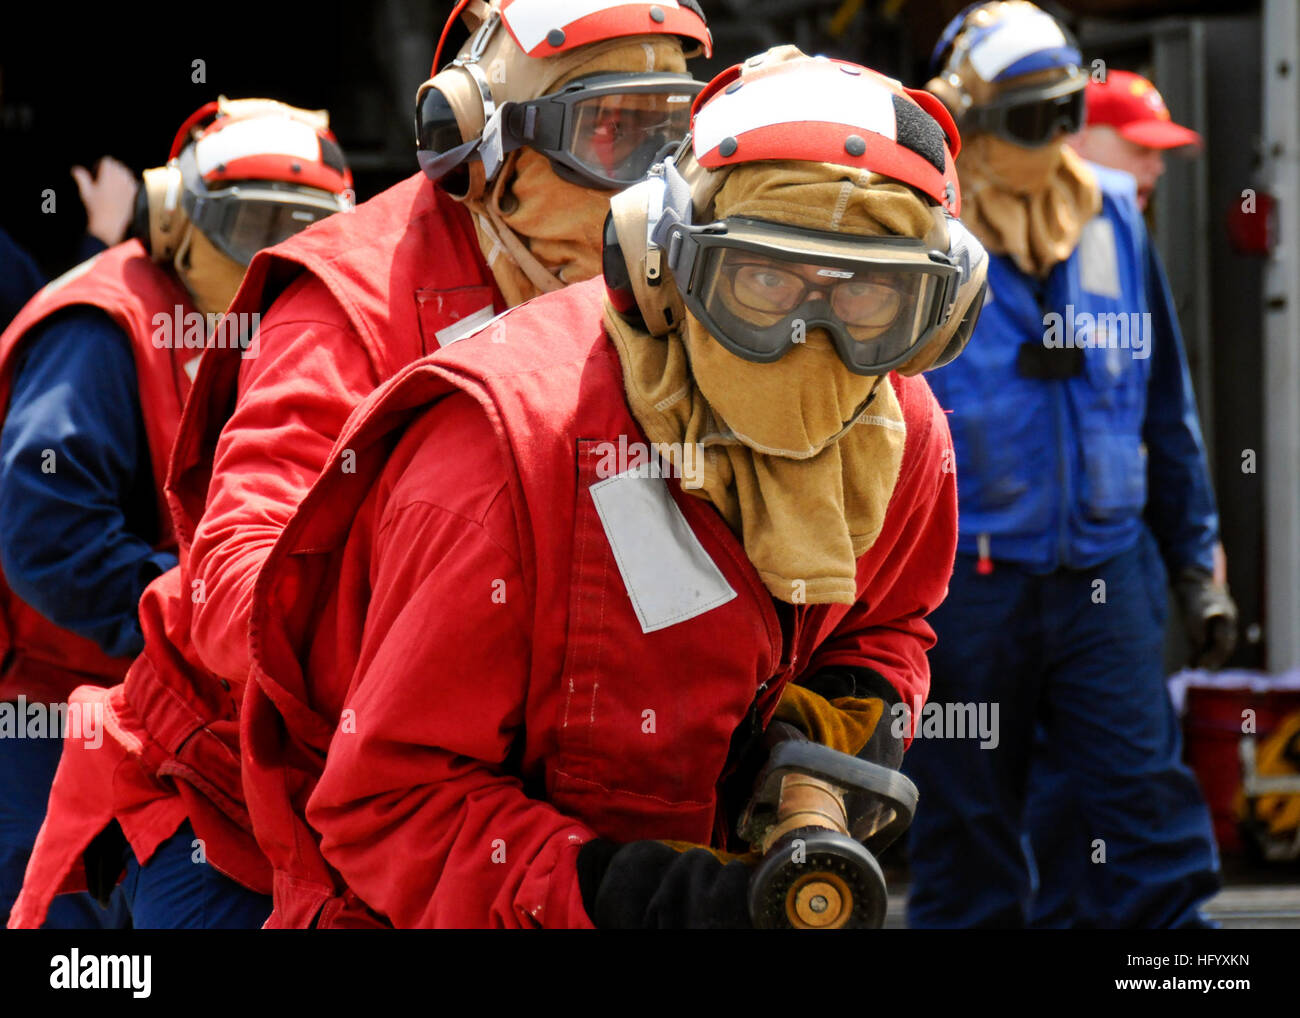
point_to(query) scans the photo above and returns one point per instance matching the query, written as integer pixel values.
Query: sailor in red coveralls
(93, 374)
(557, 579)
(548, 108)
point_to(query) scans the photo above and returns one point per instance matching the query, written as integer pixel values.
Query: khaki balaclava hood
(538, 232)
(799, 456)
(1028, 203)
(211, 277)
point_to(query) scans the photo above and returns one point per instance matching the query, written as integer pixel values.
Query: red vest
(41, 660)
(404, 266)
(556, 401)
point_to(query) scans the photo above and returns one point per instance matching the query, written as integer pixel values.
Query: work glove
(847, 709)
(1209, 616)
(661, 885)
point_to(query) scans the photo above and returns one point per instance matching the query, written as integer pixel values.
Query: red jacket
(344, 306)
(41, 660)
(504, 654)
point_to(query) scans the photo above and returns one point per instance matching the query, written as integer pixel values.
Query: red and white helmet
(663, 243)
(497, 94)
(829, 111)
(543, 28)
(247, 173)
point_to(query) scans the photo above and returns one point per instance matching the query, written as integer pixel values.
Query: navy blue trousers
(1085, 661)
(178, 889)
(27, 769)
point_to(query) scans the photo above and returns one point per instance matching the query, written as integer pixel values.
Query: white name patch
(668, 575)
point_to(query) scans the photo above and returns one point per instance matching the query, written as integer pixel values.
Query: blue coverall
(1078, 470)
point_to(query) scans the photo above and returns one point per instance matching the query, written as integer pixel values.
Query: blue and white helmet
(1010, 68)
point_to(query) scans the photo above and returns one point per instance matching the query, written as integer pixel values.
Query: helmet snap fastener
(555, 37)
(855, 146)
(728, 147)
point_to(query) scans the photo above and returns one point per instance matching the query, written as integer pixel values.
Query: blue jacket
(20, 278)
(1060, 472)
(76, 543)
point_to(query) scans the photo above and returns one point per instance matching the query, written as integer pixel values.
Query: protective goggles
(1032, 117)
(602, 131)
(759, 288)
(244, 218)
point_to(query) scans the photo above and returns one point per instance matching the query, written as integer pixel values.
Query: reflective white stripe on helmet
(668, 575)
(259, 136)
(856, 101)
(1023, 32)
(530, 20)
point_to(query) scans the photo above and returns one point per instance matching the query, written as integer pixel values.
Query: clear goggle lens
(242, 225)
(764, 285)
(618, 135)
(875, 314)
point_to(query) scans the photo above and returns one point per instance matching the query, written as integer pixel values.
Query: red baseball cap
(1130, 104)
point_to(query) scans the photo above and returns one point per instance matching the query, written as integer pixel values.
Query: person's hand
(1209, 616)
(664, 885)
(109, 197)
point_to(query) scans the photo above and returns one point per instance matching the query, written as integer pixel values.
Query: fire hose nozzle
(817, 815)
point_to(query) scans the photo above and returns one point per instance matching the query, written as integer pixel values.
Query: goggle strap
(682, 253)
(663, 235)
(492, 145)
(677, 196)
(437, 165)
(668, 205)
(196, 209)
